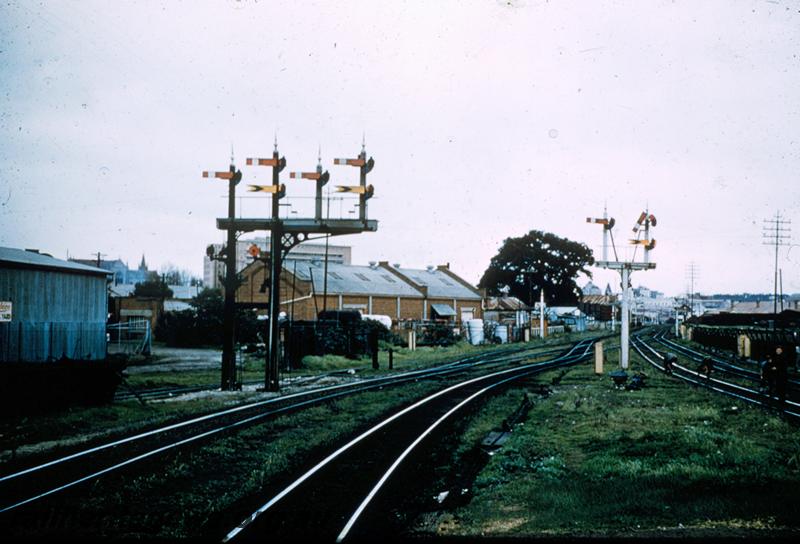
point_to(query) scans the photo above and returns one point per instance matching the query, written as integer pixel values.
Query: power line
(692, 272)
(775, 232)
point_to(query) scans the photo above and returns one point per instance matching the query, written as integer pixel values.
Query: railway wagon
(763, 341)
(53, 331)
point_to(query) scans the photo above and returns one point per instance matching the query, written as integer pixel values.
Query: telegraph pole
(99, 255)
(229, 381)
(625, 268)
(691, 275)
(775, 232)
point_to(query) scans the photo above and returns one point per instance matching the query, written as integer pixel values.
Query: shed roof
(22, 258)
(443, 310)
(506, 303)
(353, 279)
(439, 284)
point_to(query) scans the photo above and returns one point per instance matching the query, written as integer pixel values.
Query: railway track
(158, 393)
(23, 485)
(722, 364)
(790, 409)
(347, 494)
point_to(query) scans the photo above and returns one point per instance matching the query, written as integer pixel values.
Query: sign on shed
(5, 311)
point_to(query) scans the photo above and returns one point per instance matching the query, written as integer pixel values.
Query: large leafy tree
(154, 287)
(537, 260)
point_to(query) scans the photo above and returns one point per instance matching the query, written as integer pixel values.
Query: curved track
(335, 498)
(33, 483)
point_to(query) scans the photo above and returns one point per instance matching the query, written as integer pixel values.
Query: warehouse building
(403, 294)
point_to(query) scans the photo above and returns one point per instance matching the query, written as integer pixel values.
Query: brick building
(403, 294)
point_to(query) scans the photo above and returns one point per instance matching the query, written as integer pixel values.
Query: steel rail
(728, 366)
(229, 411)
(342, 449)
(328, 393)
(733, 390)
(374, 491)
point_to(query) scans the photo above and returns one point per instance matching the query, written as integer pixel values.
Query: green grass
(593, 460)
(71, 426)
(207, 490)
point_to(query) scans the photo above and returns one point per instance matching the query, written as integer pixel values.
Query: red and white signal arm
(5, 311)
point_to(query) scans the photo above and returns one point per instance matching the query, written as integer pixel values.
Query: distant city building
(213, 270)
(591, 289)
(122, 274)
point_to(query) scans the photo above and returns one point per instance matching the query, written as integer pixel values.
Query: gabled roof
(22, 258)
(439, 283)
(352, 279)
(506, 303)
(599, 299)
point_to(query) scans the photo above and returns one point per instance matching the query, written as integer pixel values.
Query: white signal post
(625, 268)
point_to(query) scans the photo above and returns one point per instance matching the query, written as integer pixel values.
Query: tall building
(214, 270)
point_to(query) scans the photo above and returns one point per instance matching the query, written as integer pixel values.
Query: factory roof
(439, 283)
(352, 279)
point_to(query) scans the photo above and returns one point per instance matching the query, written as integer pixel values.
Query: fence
(132, 338)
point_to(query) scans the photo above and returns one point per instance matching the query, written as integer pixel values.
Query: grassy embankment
(591, 460)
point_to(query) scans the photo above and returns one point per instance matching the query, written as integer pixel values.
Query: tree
(202, 324)
(152, 288)
(537, 260)
(178, 276)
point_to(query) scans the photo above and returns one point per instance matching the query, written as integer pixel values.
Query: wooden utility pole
(776, 232)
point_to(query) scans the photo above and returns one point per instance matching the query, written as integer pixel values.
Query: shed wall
(54, 315)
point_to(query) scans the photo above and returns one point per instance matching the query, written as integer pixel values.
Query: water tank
(501, 332)
(474, 331)
(383, 319)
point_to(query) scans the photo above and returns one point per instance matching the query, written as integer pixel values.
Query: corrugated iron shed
(58, 308)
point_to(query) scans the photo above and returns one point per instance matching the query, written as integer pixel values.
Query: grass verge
(591, 460)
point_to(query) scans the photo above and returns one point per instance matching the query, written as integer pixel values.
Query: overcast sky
(486, 119)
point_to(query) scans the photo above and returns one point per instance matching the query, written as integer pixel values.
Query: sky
(486, 119)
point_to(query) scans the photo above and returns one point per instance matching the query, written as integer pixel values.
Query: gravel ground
(170, 359)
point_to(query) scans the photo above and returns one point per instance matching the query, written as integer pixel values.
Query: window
(334, 275)
(388, 278)
(361, 276)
